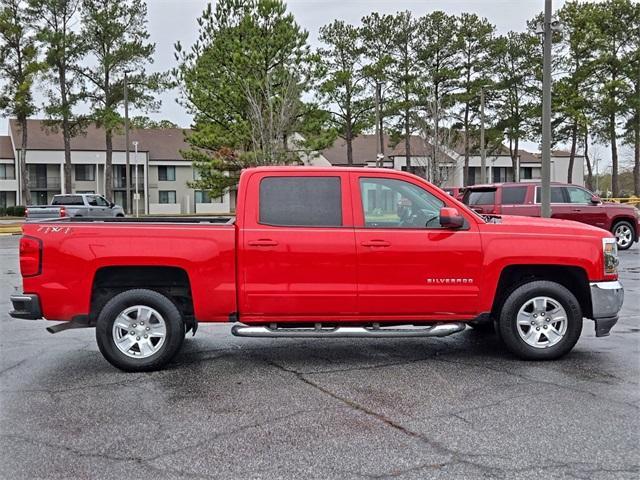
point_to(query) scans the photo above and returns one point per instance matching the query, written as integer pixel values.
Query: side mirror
(595, 199)
(111, 204)
(451, 218)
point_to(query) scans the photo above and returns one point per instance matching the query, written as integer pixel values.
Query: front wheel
(624, 233)
(540, 320)
(139, 330)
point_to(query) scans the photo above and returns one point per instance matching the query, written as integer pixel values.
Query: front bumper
(26, 306)
(606, 302)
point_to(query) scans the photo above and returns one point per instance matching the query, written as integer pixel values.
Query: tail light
(63, 212)
(26, 212)
(30, 256)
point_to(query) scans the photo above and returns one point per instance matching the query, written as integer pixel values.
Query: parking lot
(457, 407)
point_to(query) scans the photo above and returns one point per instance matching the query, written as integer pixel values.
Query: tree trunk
(380, 119)
(636, 160)
(108, 173)
(24, 171)
(614, 156)
(407, 138)
(588, 162)
(465, 175)
(572, 155)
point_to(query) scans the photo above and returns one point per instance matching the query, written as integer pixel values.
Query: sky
(173, 20)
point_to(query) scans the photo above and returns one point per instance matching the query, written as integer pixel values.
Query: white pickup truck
(75, 205)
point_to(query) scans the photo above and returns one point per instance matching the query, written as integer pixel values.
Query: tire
(125, 313)
(120, 215)
(624, 233)
(540, 302)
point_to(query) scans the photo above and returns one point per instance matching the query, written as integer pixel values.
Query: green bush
(9, 211)
(18, 210)
(3, 211)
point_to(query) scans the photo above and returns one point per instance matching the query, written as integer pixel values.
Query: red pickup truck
(569, 202)
(321, 252)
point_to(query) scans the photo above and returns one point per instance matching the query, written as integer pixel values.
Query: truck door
(409, 267)
(297, 257)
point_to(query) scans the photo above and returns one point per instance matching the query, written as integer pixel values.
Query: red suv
(569, 202)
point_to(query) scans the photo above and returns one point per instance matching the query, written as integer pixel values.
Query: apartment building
(158, 169)
(499, 166)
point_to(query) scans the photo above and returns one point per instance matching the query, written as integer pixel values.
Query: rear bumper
(26, 306)
(606, 302)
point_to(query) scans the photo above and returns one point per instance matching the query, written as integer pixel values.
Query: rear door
(297, 257)
(409, 267)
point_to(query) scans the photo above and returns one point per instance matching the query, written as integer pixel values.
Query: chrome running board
(375, 331)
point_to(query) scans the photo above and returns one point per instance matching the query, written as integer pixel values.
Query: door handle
(576, 209)
(375, 243)
(263, 242)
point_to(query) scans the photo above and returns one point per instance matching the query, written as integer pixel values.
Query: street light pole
(483, 153)
(137, 194)
(546, 114)
(126, 141)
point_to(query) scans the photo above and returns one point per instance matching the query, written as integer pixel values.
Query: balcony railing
(44, 183)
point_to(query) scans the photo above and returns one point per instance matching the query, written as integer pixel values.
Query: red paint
(349, 273)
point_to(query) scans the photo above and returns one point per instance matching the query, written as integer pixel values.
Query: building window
(7, 172)
(167, 174)
(167, 196)
(203, 197)
(501, 174)
(119, 176)
(3, 199)
(85, 173)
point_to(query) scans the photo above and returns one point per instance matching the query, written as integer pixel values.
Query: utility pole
(546, 113)
(126, 141)
(137, 194)
(483, 153)
(379, 155)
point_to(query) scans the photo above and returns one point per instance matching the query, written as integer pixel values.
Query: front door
(409, 267)
(297, 256)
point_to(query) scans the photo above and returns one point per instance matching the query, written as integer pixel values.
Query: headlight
(610, 256)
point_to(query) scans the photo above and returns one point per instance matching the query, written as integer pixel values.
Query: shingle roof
(6, 148)
(365, 149)
(161, 143)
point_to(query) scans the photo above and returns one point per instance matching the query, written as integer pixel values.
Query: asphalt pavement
(457, 407)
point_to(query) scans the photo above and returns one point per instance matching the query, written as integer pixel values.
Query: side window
(389, 203)
(557, 195)
(101, 201)
(301, 201)
(513, 195)
(92, 200)
(578, 195)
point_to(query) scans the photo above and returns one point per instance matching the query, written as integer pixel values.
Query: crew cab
(569, 202)
(74, 205)
(323, 253)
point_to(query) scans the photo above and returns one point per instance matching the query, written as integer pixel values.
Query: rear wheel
(139, 330)
(624, 233)
(540, 320)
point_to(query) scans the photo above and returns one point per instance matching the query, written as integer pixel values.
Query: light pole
(483, 153)
(137, 194)
(126, 141)
(547, 29)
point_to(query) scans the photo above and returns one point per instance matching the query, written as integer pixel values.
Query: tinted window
(67, 200)
(301, 201)
(389, 203)
(480, 197)
(513, 195)
(556, 195)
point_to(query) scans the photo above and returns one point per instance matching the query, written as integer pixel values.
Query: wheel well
(172, 282)
(573, 278)
(629, 220)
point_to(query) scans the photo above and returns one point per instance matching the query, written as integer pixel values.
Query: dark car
(570, 202)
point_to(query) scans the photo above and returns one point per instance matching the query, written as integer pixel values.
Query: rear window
(67, 200)
(301, 201)
(480, 197)
(513, 195)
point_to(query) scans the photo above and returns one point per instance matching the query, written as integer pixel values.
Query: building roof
(365, 149)
(161, 143)
(6, 148)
